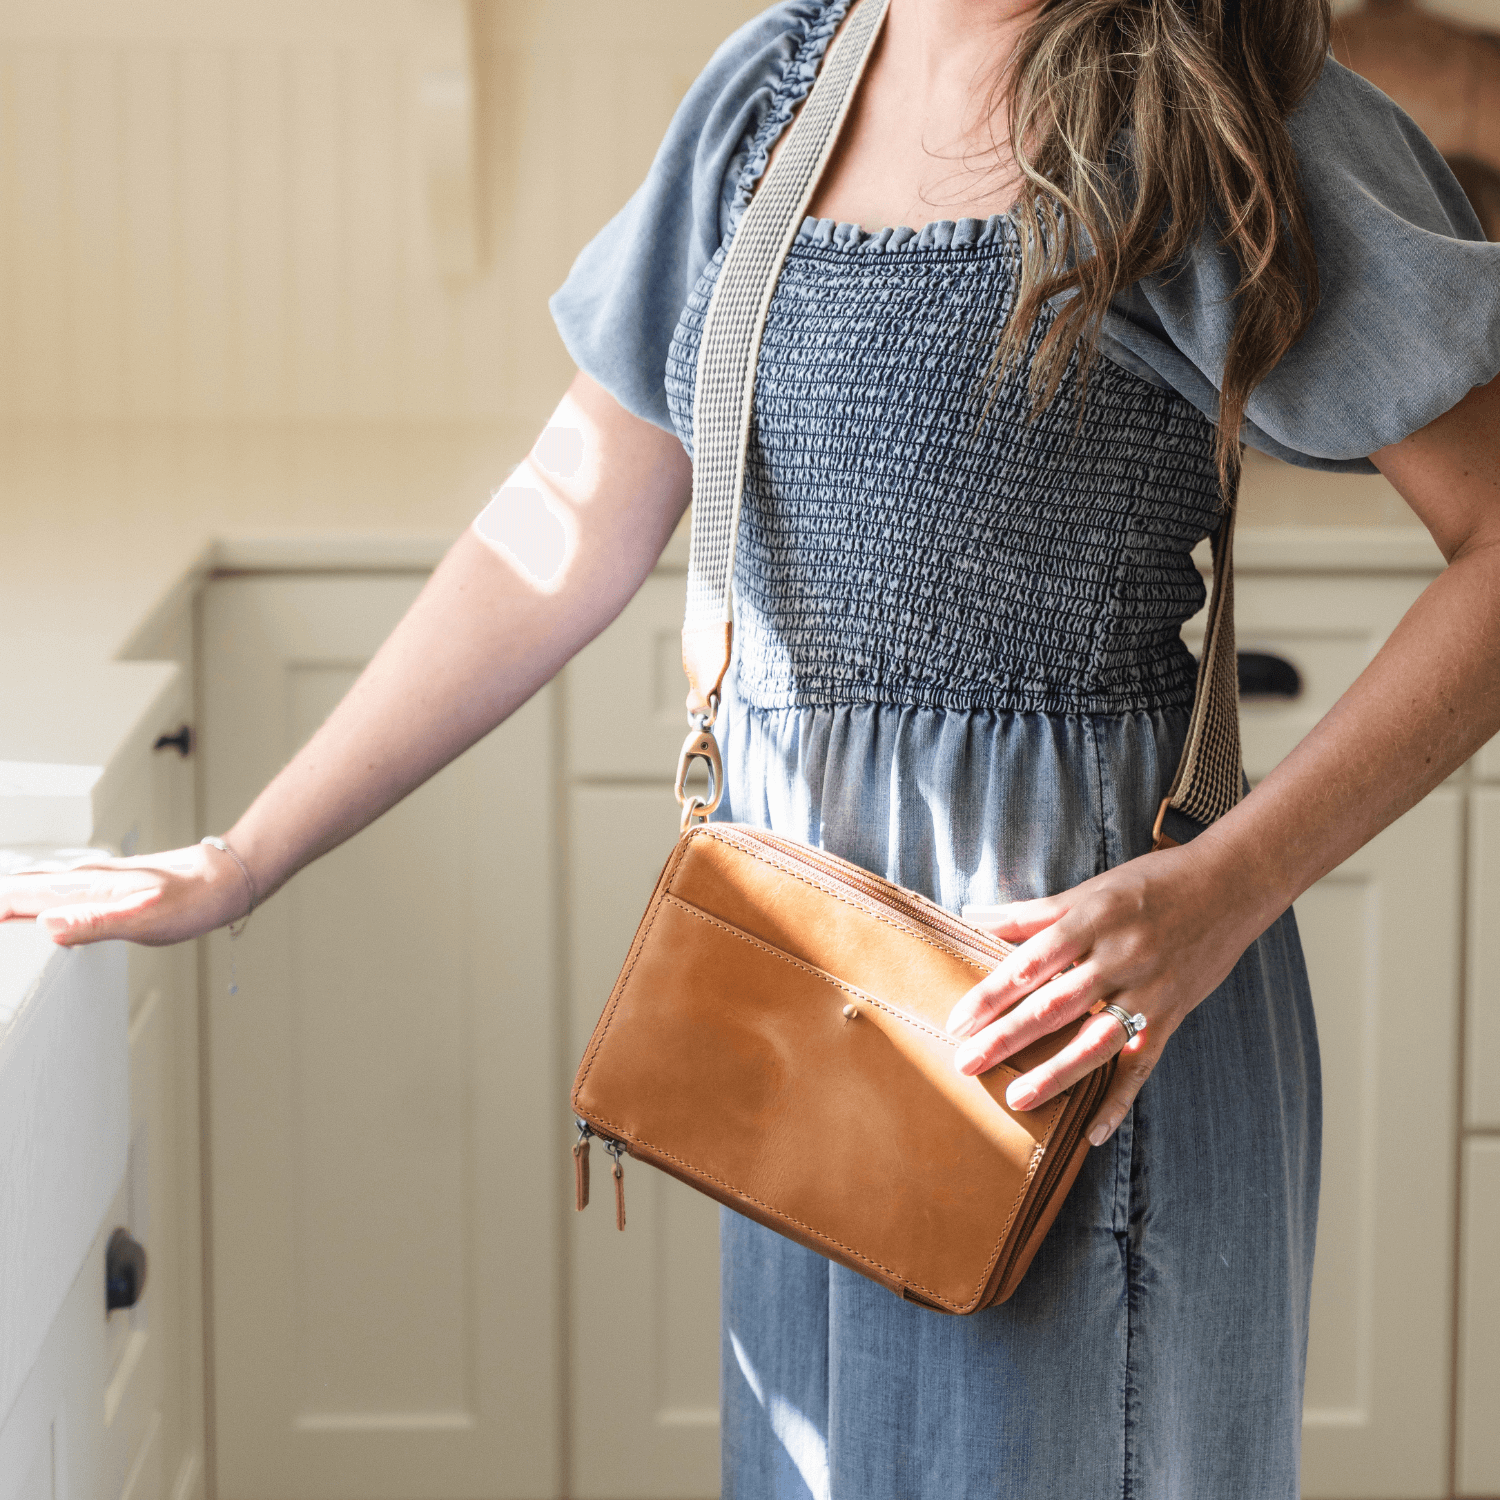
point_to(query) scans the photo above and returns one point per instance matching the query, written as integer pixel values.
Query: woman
(982, 453)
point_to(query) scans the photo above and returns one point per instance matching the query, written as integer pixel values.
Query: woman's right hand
(153, 899)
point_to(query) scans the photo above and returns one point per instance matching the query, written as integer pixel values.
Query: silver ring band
(1132, 1023)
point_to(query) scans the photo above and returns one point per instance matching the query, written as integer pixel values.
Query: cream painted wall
(216, 216)
(218, 212)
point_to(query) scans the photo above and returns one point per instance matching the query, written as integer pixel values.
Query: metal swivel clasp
(700, 745)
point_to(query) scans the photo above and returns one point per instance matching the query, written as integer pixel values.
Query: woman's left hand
(1154, 936)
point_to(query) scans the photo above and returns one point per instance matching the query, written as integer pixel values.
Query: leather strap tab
(1173, 828)
(705, 659)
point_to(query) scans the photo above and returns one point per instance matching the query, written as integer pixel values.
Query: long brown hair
(1136, 125)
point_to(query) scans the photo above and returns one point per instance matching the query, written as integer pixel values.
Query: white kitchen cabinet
(1376, 1415)
(1382, 935)
(387, 1154)
(64, 1137)
(111, 1406)
(1327, 626)
(625, 694)
(1487, 762)
(346, 1013)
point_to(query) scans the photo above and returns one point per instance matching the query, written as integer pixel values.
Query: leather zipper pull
(581, 1174)
(581, 1167)
(617, 1152)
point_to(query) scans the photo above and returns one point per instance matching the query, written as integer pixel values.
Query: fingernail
(960, 1024)
(1101, 1133)
(1020, 1098)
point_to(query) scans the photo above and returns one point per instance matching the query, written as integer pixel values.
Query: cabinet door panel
(1479, 1324)
(1482, 1107)
(1381, 937)
(53, 1440)
(383, 1096)
(625, 692)
(645, 1304)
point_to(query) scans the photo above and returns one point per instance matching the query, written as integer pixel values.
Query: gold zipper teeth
(921, 911)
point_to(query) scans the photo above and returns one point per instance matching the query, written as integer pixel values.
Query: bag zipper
(911, 904)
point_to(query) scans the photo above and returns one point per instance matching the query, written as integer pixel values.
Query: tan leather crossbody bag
(775, 1038)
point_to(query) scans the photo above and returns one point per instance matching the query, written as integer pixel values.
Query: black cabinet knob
(1265, 676)
(124, 1270)
(181, 742)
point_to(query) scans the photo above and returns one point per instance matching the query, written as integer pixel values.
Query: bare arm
(549, 565)
(1427, 702)
(1160, 933)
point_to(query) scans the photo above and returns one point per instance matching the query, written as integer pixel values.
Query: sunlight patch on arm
(559, 450)
(528, 528)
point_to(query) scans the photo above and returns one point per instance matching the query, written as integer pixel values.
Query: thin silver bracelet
(238, 925)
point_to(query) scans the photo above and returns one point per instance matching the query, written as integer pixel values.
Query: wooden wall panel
(220, 213)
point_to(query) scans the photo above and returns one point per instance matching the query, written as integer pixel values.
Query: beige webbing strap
(1208, 777)
(730, 346)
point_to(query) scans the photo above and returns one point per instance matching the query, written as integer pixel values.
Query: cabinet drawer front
(1328, 627)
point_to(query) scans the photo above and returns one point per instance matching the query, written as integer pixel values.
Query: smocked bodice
(900, 544)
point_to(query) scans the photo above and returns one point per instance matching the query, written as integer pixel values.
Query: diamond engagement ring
(1131, 1023)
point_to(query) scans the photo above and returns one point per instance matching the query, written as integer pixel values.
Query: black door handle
(181, 742)
(124, 1270)
(1263, 675)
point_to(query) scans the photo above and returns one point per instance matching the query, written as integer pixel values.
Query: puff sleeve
(620, 304)
(1409, 319)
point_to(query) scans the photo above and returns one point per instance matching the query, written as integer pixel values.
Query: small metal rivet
(850, 1011)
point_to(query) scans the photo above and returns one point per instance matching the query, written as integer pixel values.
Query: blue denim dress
(958, 663)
